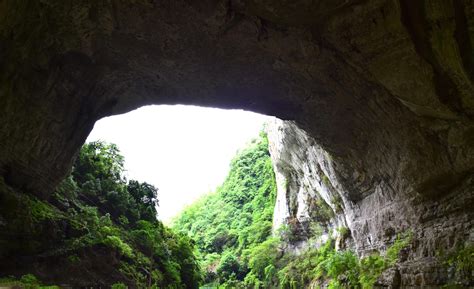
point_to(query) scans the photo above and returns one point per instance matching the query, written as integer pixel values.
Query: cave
(383, 88)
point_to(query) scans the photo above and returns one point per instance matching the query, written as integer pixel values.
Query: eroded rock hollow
(384, 88)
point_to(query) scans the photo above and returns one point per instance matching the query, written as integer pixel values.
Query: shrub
(371, 268)
(228, 265)
(119, 286)
(29, 279)
(462, 261)
(340, 269)
(116, 242)
(391, 256)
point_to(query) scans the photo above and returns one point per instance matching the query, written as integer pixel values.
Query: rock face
(384, 87)
(305, 193)
(308, 182)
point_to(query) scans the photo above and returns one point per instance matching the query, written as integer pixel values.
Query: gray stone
(382, 89)
(438, 225)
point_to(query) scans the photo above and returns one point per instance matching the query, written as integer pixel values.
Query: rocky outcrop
(305, 192)
(308, 183)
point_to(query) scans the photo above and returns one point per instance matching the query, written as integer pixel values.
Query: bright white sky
(184, 151)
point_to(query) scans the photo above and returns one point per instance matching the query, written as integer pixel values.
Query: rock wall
(382, 88)
(385, 86)
(304, 193)
(308, 183)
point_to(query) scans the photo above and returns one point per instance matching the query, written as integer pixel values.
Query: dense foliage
(236, 218)
(460, 262)
(102, 230)
(232, 230)
(336, 269)
(123, 215)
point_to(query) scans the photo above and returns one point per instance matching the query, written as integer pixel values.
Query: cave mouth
(105, 218)
(183, 150)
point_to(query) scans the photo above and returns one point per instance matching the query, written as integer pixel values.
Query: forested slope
(229, 224)
(100, 229)
(97, 230)
(232, 229)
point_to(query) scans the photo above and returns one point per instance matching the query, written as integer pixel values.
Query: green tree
(145, 197)
(123, 216)
(99, 160)
(236, 217)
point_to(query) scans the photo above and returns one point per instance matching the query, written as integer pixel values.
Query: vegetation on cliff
(232, 229)
(98, 229)
(229, 225)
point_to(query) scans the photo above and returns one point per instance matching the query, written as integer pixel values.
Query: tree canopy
(235, 218)
(123, 214)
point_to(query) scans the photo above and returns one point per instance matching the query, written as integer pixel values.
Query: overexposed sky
(184, 151)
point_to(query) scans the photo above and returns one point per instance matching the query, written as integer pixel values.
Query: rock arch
(384, 86)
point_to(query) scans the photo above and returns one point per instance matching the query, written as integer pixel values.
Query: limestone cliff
(310, 192)
(383, 90)
(384, 86)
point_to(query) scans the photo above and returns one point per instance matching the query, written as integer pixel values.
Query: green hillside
(229, 224)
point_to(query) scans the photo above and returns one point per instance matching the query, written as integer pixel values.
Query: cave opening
(184, 151)
(381, 89)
